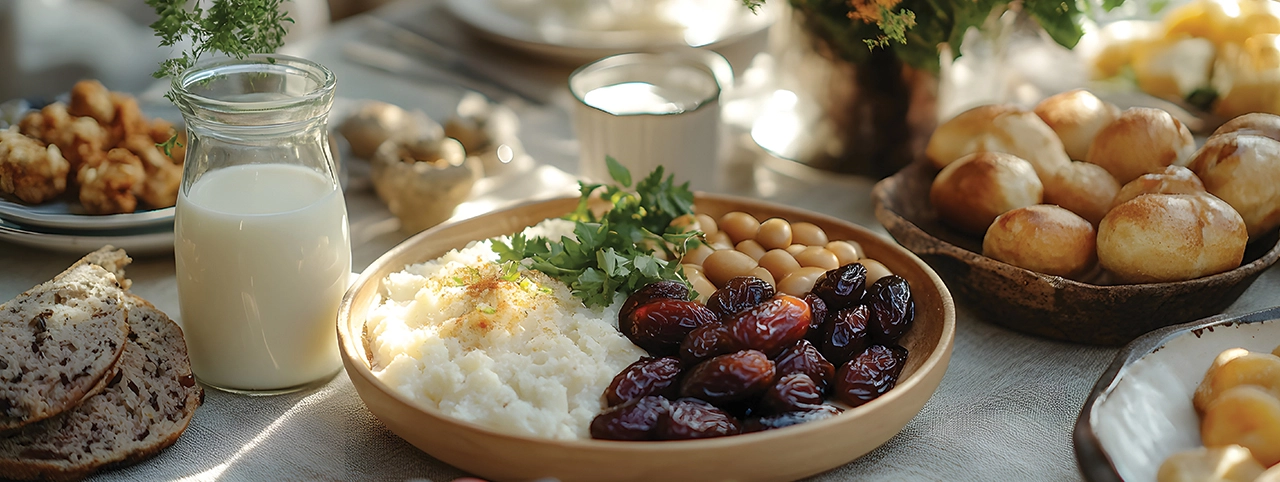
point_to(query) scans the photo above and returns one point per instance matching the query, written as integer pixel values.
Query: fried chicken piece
(107, 183)
(161, 130)
(129, 120)
(77, 137)
(29, 169)
(91, 98)
(160, 188)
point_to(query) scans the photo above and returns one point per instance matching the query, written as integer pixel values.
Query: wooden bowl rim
(937, 360)
(881, 200)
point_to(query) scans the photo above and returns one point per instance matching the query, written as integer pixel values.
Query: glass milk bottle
(261, 239)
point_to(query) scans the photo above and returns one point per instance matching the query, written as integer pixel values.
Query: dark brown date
(635, 420)
(791, 393)
(870, 374)
(804, 358)
(705, 342)
(738, 295)
(846, 334)
(842, 287)
(674, 290)
(771, 326)
(660, 325)
(786, 419)
(892, 308)
(817, 316)
(691, 418)
(728, 378)
(647, 376)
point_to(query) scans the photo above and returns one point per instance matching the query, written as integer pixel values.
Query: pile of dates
(752, 359)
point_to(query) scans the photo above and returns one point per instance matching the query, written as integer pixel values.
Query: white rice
(522, 357)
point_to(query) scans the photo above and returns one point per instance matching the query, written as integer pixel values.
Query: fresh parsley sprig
(235, 28)
(614, 252)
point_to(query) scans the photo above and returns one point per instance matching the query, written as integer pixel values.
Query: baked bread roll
(1257, 123)
(997, 128)
(1173, 180)
(1077, 116)
(58, 341)
(1042, 238)
(1243, 170)
(1140, 141)
(971, 192)
(1082, 188)
(1171, 237)
(147, 404)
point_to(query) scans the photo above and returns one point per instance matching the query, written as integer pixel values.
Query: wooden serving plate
(1052, 306)
(783, 454)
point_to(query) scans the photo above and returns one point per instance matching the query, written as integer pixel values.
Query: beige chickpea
(723, 265)
(700, 284)
(739, 226)
(808, 234)
(1245, 415)
(779, 263)
(846, 251)
(818, 257)
(800, 281)
(707, 223)
(795, 248)
(720, 240)
(875, 270)
(690, 268)
(763, 274)
(774, 233)
(697, 255)
(1237, 367)
(685, 223)
(750, 248)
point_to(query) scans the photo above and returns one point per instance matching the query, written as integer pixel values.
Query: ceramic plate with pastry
(1123, 227)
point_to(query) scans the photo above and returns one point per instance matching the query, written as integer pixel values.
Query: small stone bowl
(423, 180)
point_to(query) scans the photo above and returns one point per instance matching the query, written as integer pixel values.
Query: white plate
(1140, 411)
(67, 215)
(140, 242)
(551, 29)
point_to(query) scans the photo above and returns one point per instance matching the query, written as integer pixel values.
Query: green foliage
(912, 30)
(613, 252)
(235, 28)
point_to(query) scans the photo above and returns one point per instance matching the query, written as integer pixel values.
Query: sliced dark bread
(143, 409)
(60, 339)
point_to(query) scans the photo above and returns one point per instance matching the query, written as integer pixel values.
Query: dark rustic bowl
(1044, 305)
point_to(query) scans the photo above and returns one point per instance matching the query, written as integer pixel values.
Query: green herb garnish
(614, 252)
(235, 28)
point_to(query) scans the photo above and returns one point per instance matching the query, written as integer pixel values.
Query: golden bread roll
(969, 193)
(1076, 116)
(997, 128)
(1173, 180)
(1043, 238)
(1257, 123)
(1082, 188)
(1171, 237)
(1140, 141)
(1244, 171)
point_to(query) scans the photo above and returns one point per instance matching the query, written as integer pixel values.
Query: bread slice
(60, 339)
(144, 409)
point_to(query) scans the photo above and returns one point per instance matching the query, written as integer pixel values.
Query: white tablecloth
(1004, 410)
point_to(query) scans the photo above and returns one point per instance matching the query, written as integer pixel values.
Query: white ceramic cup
(651, 109)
